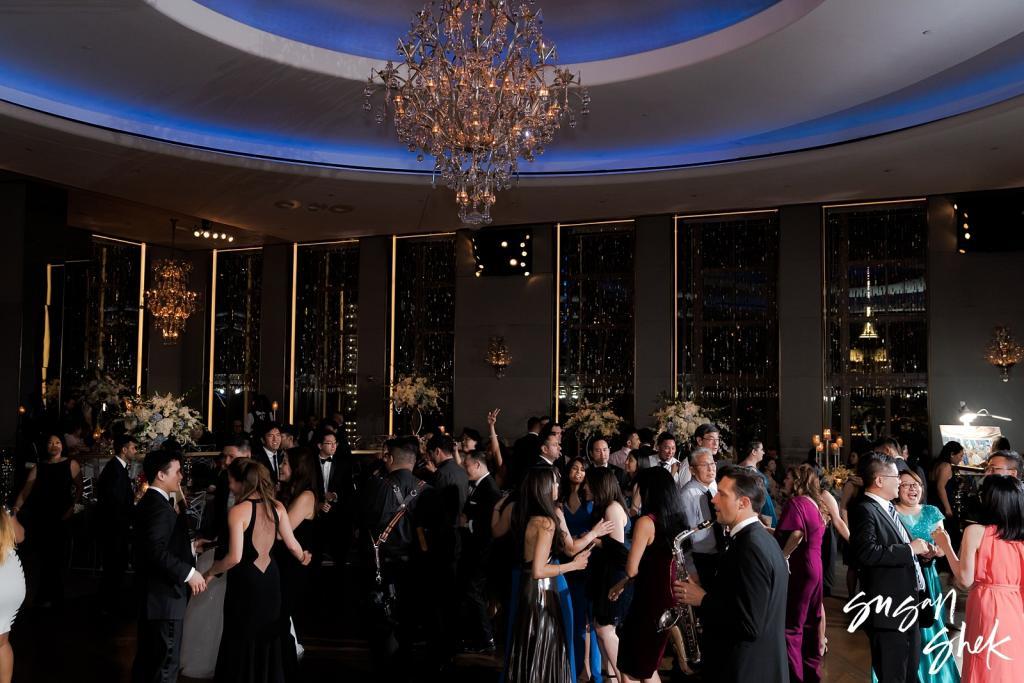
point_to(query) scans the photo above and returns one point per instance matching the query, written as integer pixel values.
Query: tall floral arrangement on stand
(593, 419)
(157, 418)
(104, 396)
(680, 418)
(415, 395)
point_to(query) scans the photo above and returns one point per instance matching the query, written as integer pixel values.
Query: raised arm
(492, 439)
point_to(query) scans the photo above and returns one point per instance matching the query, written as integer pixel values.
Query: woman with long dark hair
(649, 568)
(540, 645)
(255, 645)
(578, 510)
(941, 484)
(608, 563)
(302, 494)
(991, 565)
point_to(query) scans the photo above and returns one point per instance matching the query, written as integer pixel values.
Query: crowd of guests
(565, 564)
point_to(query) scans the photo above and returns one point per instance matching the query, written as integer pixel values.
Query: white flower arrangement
(102, 390)
(594, 418)
(680, 418)
(158, 418)
(415, 393)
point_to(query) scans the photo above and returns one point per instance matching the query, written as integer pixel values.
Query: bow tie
(326, 460)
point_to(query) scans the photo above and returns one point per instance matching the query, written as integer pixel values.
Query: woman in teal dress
(921, 521)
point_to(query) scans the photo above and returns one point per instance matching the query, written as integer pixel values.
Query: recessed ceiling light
(513, 262)
(341, 208)
(287, 203)
(504, 243)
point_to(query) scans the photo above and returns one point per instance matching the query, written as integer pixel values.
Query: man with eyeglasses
(697, 494)
(889, 571)
(707, 436)
(1006, 463)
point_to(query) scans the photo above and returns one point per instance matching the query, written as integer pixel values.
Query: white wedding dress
(204, 623)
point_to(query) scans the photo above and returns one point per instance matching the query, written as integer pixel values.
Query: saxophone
(680, 619)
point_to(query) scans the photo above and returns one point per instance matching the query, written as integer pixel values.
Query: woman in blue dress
(921, 521)
(578, 511)
(540, 644)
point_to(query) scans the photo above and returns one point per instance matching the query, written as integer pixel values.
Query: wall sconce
(498, 356)
(1003, 352)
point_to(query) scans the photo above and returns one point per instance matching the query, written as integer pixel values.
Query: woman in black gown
(44, 507)
(302, 493)
(255, 646)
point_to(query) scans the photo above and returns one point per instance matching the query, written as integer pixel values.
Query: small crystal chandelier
(477, 89)
(170, 300)
(498, 356)
(1003, 352)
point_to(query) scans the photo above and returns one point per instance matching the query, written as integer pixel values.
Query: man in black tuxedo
(335, 523)
(744, 613)
(550, 451)
(600, 454)
(164, 570)
(114, 510)
(268, 453)
(215, 519)
(889, 570)
(478, 634)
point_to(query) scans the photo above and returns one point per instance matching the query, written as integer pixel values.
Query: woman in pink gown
(991, 564)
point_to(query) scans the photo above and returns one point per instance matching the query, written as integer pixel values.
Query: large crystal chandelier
(170, 300)
(477, 89)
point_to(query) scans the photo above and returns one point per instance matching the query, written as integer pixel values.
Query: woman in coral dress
(991, 564)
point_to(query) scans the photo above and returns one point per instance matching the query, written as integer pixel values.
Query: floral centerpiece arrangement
(416, 396)
(159, 418)
(680, 418)
(594, 418)
(835, 477)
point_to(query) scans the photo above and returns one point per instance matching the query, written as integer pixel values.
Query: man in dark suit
(524, 453)
(268, 453)
(600, 454)
(165, 572)
(478, 634)
(744, 612)
(889, 570)
(114, 510)
(215, 520)
(446, 504)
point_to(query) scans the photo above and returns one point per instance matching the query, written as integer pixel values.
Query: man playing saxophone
(744, 612)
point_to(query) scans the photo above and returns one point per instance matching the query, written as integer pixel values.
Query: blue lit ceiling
(688, 82)
(583, 30)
